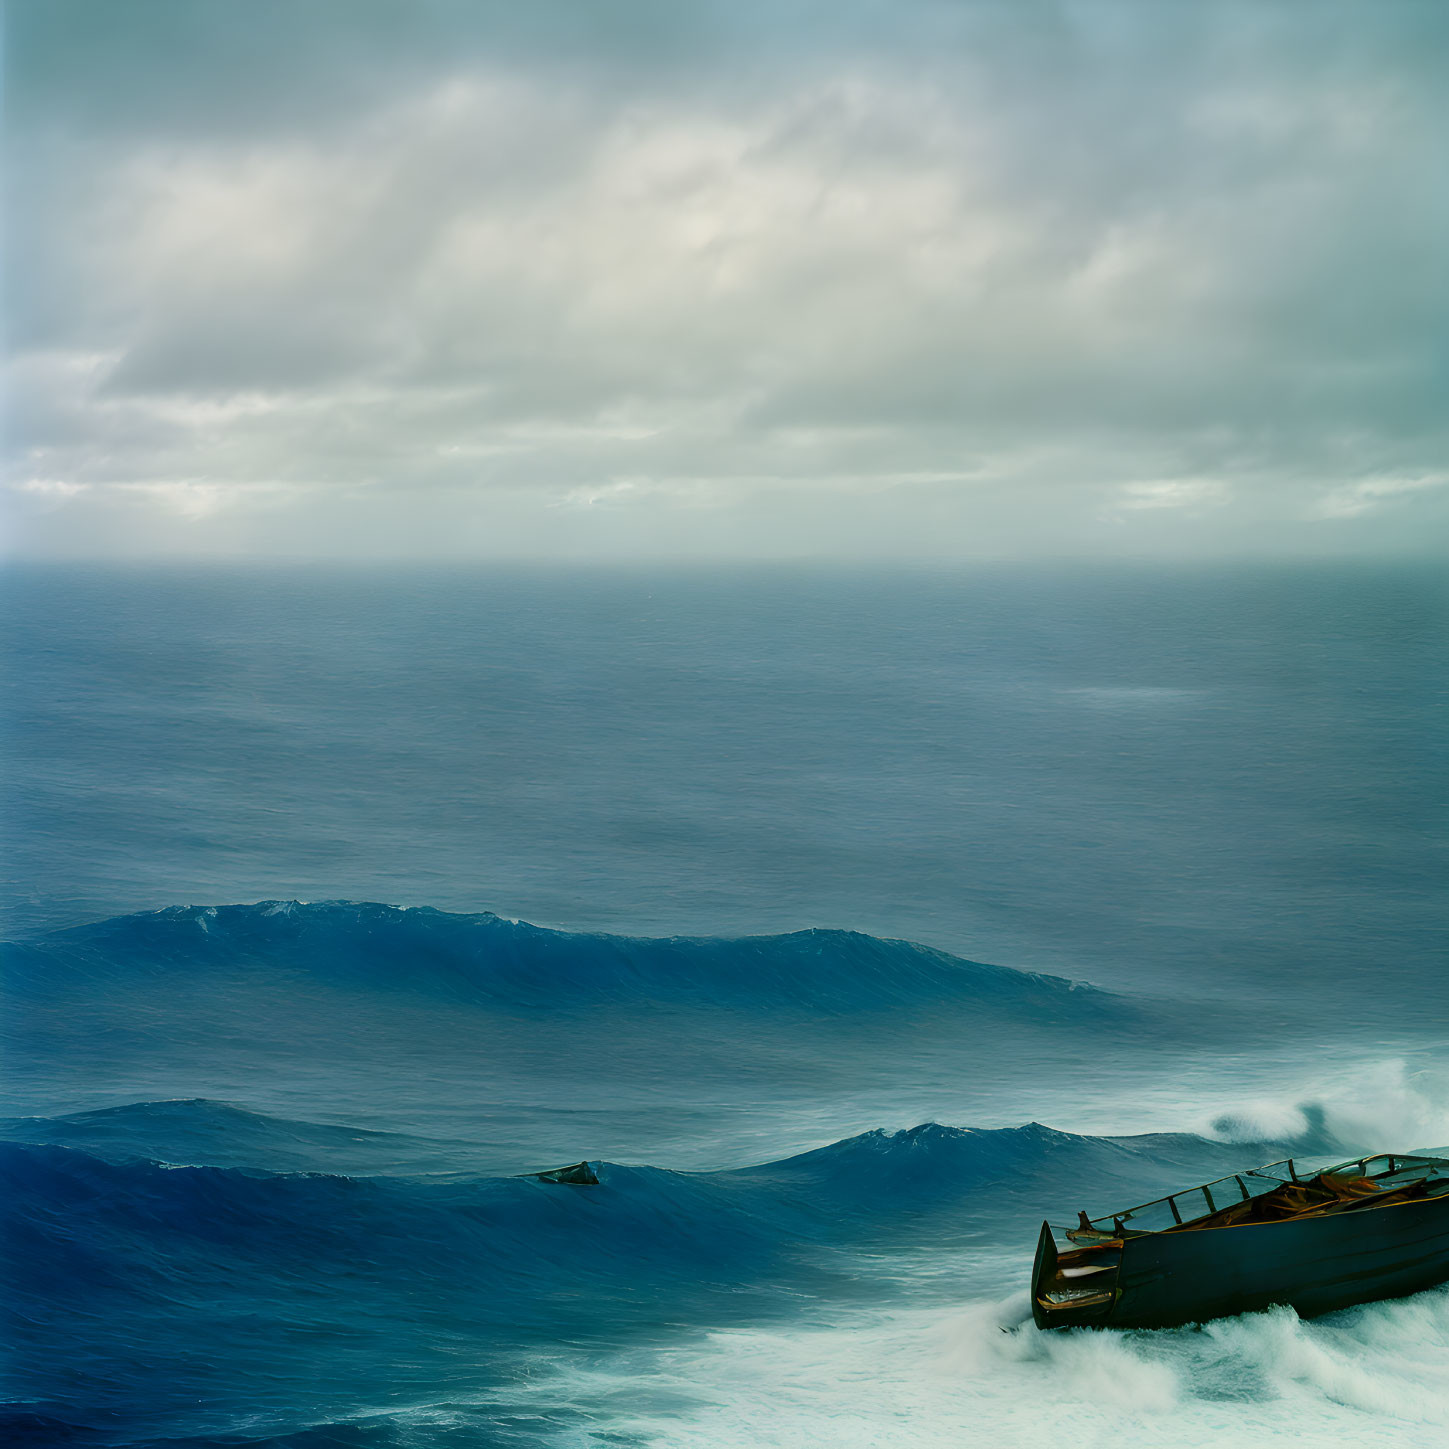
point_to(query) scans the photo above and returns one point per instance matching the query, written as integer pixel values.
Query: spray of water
(1397, 1104)
(1378, 1375)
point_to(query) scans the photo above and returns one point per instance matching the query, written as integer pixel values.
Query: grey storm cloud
(909, 278)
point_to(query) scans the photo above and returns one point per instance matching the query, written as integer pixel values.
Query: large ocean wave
(148, 1285)
(485, 960)
(313, 1243)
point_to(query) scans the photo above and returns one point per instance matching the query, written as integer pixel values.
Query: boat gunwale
(1362, 1205)
(1118, 1232)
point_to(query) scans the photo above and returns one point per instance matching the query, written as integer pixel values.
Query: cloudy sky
(617, 278)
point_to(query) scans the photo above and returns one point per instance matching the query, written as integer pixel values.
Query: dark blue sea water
(795, 900)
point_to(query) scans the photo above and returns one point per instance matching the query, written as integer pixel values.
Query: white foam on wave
(1384, 1105)
(1386, 1360)
(1378, 1375)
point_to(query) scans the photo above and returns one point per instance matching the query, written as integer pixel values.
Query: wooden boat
(1376, 1227)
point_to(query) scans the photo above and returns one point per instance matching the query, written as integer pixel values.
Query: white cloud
(950, 279)
(1173, 493)
(55, 488)
(1370, 494)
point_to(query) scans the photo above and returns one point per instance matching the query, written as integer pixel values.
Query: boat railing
(1210, 1197)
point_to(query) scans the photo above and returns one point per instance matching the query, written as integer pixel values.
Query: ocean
(847, 921)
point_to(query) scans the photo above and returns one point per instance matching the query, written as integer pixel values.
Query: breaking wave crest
(1398, 1100)
(117, 1257)
(376, 1281)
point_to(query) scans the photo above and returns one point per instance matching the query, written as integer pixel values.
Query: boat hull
(1312, 1264)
